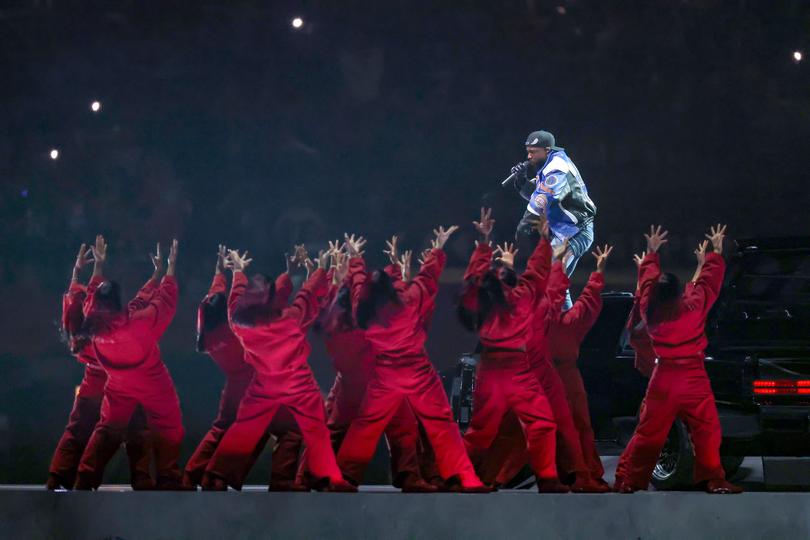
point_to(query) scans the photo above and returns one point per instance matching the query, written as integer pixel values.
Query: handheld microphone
(513, 175)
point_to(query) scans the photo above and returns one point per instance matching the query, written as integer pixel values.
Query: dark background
(222, 123)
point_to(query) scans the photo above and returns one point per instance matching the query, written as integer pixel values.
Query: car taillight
(784, 387)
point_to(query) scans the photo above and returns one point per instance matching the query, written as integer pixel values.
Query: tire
(674, 469)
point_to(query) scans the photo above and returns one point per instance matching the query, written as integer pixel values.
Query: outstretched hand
(485, 226)
(157, 261)
(442, 235)
(237, 262)
(340, 262)
(172, 258)
(560, 252)
(716, 236)
(601, 255)
(656, 238)
(83, 257)
(506, 254)
(222, 255)
(405, 265)
(99, 251)
(700, 253)
(541, 226)
(423, 256)
(393, 254)
(638, 259)
(354, 246)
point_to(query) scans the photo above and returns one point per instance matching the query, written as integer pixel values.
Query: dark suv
(758, 360)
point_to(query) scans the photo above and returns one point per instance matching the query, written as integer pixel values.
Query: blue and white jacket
(560, 194)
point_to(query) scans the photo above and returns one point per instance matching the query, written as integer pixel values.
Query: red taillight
(782, 387)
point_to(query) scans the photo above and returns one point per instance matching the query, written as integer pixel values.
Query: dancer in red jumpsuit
(353, 359)
(679, 385)
(276, 347)
(500, 307)
(125, 342)
(87, 403)
(214, 337)
(392, 313)
(567, 330)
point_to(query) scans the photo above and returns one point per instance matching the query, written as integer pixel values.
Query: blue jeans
(578, 245)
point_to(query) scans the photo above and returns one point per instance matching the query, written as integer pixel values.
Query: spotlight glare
(54, 154)
(95, 106)
(561, 10)
(297, 22)
(797, 56)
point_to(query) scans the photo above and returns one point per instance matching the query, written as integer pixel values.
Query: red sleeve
(238, 286)
(479, 264)
(709, 282)
(284, 288)
(422, 289)
(218, 285)
(394, 271)
(532, 282)
(307, 303)
(143, 297)
(357, 281)
(161, 308)
(586, 309)
(92, 287)
(72, 302)
(648, 273)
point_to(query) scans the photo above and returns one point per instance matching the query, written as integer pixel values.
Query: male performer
(679, 386)
(559, 193)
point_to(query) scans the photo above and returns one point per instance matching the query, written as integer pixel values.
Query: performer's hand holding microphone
(518, 175)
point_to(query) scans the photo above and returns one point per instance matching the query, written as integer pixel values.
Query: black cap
(542, 139)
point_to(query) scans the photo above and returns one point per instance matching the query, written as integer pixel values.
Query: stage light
(95, 106)
(297, 22)
(54, 154)
(561, 10)
(797, 56)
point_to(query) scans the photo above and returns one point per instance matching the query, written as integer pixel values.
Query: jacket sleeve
(358, 282)
(648, 274)
(218, 285)
(308, 302)
(423, 288)
(586, 309)
(162, 305)
(143, 297)
(72, 302)
(532, 283)
(478, 266)
(92, 287)
(708, 284)
(394, 271)
(549, 187)
(284, 288)
(238, 287)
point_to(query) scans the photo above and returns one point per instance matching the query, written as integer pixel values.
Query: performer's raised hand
(423, 256)
(99, 251)
(83, 257)
(340, 262)
(237, 262)
(354, 246)
(222, 255)
(541, 226)
(505, 254)
(601, 255)
(638, 259)
(405, 265)
(656, 238)
(700, 253)
(324, 256)
(393, 254)
(442, 235)
(157, 261)
(716, 236)
(172, 259)
(560, 252)
(485, 226)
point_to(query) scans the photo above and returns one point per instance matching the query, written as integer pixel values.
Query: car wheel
(675, 464)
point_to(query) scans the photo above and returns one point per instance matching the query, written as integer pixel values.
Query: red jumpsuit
(86, 410)
(509, 448)
(136, 375)
(640, 339)
(278, 352)
(566, 333)
(403, 373)
(679, 386)
(504, 381)
(226, 351)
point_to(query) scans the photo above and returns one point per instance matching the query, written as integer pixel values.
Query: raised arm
(710, 280)
(586, 309)
(423, 288)
(308, 302)
(162, 304)
(650, 268)
(99, 251)
(479, 264)
(532, 282)
(237, 263)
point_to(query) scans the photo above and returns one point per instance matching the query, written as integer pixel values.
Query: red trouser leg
(699, 411)
(658, 410)
(231, 396)
(162, 409)
(109, 433)
(507, 454)
(402, 436)
(569, 452)
(81, 422)
(578, 403)
(139, 446)
(286, 451)
(427, 459)
(428, 401)
(504, 383)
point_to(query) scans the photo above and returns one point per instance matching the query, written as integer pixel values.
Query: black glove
(520, 171)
